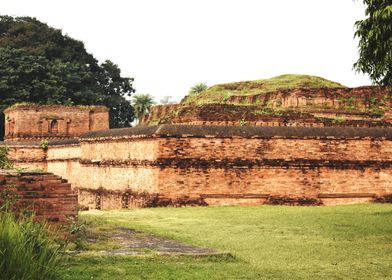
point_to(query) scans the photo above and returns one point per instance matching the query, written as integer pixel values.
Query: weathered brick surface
(289, 181)
(320, 107)
(283, 149)
(168, 165)
(120, 150)
(36, 122)
(48, 195)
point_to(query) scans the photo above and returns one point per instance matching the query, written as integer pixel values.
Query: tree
(38, 64)
(28, 78)
(37, 38)
(198, 88)
(142, 104)
(117, 91)
(375, 42)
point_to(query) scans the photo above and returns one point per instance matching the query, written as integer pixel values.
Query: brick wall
(29, 156)
(36, 122)
(283, 148)
(48, 195)
(247, 166)
(293, 107)
(178, 165)
(345, 184)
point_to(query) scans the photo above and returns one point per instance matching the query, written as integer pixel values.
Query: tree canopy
(41, 65)
(37, 38)
(142, 103)
(375, 41)
(197, 88)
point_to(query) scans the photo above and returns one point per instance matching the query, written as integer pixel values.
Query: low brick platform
(48, 195)
(176, 165)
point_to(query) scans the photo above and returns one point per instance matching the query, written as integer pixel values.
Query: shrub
(243, 122)
(78, 232)
(27, 250)
(5, 162)
(44, 144)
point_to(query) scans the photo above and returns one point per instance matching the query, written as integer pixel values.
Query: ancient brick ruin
(37, 122)
(280, 162)
(319, 107)
(47, 195)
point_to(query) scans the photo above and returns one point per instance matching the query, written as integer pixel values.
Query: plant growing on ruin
(377, 111)
(243, 122)
(44, 144)
(5, 162)
(226, 96)
(197, 88)
(338, 119)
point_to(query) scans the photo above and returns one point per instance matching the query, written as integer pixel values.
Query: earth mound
(286, 100)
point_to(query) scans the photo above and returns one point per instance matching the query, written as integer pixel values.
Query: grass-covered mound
(220, 93)
(289, 98)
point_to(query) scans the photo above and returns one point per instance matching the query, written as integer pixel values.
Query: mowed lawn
(266, 242)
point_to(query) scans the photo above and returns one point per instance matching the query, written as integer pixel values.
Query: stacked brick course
(49, 196)
(303, 107)
(177, 165)
(220, 165)
(37, 122)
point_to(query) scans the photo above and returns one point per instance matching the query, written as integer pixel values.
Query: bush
(44, 144)
(5, 162)
(27, 250)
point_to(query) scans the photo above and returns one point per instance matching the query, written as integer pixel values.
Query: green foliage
(377, 111)
(38, 39)
(339, 119)
(375, 42)
(226, 96)
(271, 111)
(142, 103)
(5, 162)
(44, 144)
(348, 102)
(40, 65)
(78, 230)
(243, 122)
(197, 88)
(27, 249)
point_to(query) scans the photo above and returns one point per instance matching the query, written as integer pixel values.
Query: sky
(170, 45)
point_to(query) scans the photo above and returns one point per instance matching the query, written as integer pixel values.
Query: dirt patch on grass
(126, 241)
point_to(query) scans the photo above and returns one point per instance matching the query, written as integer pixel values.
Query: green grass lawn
(266, 242)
